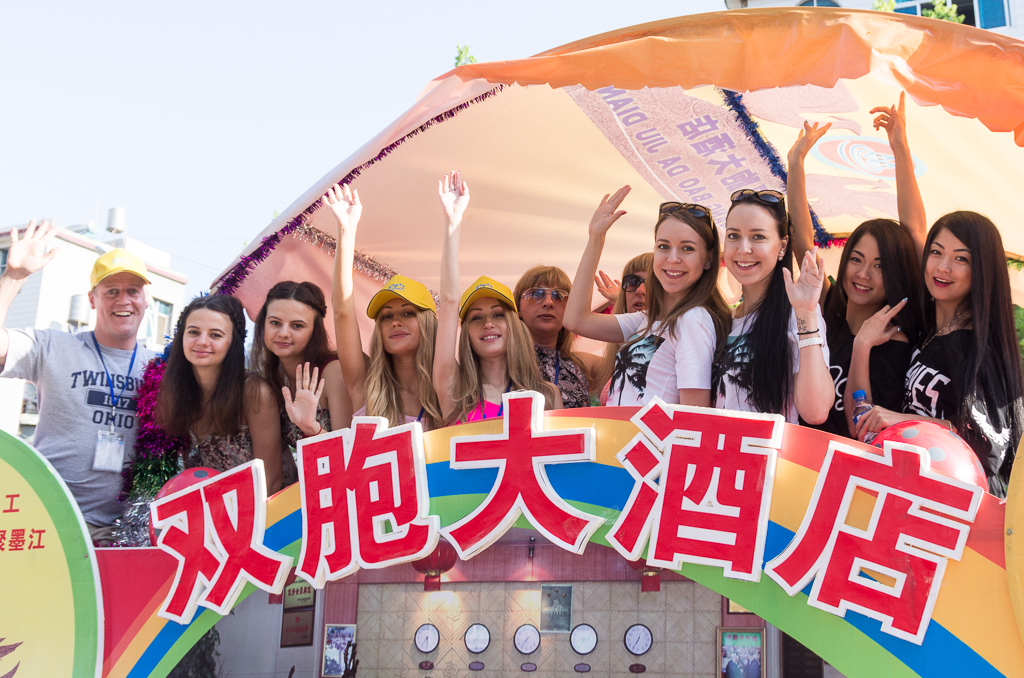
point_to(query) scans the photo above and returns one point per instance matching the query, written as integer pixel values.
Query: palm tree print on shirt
(631, 363)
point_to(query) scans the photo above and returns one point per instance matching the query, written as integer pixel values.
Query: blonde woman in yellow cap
(495, 351)
(395, 381)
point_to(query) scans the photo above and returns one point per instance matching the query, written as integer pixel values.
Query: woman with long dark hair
(493, 353)
(775, 360)
(206, 395)
(966, 374)
(395, 381)
(668, 350)
(290, 350)
(878, 274)
(627, 296)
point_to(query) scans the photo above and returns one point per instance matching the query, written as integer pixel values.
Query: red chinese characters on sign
(892, 569)
(364, 500)
(703, 488)
(520, 453)
(215, 531)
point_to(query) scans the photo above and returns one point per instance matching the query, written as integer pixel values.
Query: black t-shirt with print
(887, 372)
(931, 390)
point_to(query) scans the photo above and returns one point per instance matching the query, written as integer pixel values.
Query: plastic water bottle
(860, 406)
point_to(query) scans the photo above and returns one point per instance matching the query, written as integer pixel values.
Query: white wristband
(813, 341)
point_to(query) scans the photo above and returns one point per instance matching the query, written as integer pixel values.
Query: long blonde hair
(552, 276)
(383, 398)
(640, 263)
(520, 361)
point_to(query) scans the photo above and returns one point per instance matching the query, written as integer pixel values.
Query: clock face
(583, 639)
(427, 638)
(527, 639)
(638, 639)
(477, 638)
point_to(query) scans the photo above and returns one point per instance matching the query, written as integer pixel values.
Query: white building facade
(55, 298)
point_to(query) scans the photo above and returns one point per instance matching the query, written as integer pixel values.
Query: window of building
(163, 312)
(30, 399)
(3, 258)
(980, 13)
(818, 3)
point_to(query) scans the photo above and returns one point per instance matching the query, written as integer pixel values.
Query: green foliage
(201, 659)
(884, 6)
(1018, 320)
(462, 56)
(943, 10)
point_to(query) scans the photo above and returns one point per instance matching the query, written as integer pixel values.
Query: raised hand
(454, 195)
(608, 288)
(608, 212)
(804, 293)
(878, 329)
(302, 410)
(806, 139)
(30, 252)
(346, 208)
(893, 119)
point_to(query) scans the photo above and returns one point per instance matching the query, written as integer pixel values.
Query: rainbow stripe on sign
(973, 631)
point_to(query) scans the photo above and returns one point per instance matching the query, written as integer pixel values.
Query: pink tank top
(488, 411)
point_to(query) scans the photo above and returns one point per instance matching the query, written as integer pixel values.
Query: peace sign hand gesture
(302, 410)
(877, 329)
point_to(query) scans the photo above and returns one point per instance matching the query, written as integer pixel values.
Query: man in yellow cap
(87, 381)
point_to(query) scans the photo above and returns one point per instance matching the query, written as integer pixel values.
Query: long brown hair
(552, 276)
(318, 352)
(180, 402)
(521, 363)
(383, 397)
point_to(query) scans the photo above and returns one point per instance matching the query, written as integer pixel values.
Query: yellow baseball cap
(485, 287)
(401, 287)
(118, 260)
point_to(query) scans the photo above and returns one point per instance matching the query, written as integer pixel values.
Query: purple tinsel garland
(152, 441)
(230, 281)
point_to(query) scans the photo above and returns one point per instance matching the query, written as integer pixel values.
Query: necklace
(939, 332)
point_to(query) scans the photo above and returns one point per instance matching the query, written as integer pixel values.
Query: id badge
(109, 454)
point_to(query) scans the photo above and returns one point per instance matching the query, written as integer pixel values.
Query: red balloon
(186, 478)
(948, 452)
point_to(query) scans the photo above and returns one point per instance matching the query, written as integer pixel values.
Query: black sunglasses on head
(767, 196)
(632, 282)
(690, 208)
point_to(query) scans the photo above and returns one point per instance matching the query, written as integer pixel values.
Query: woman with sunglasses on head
(669, 349)
(206, 395)
(775, 360)
(541, 295)
(966, 374)
(493, 354)
(394, 382)
(878, 283)
(291, 352)
(629, 296)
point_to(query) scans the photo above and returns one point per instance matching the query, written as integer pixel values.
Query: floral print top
(564, 374)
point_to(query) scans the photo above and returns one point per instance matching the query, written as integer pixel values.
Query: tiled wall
(683, 617)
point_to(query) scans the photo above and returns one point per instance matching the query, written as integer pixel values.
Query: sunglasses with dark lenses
(768, 196)
(632, 282)
(537, 294)
(692, 209)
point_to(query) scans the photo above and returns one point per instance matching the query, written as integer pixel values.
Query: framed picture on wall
(338, 640)
(740, 652)
(555, 608)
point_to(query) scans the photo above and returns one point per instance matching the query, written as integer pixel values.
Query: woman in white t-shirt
(775, 359)
(669, 350)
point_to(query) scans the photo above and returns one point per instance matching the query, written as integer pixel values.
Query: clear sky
(203, 118)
